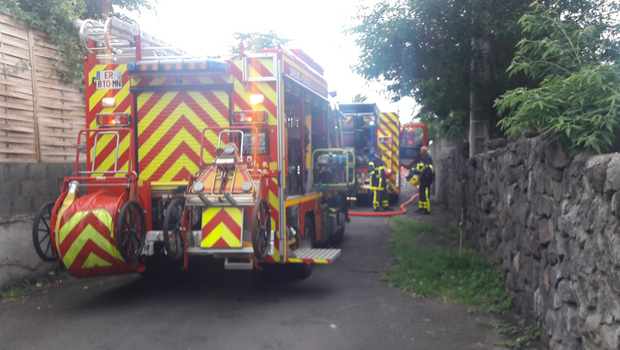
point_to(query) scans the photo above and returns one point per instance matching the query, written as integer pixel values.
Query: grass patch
(525, 335)
(22, 290)
(443, 275)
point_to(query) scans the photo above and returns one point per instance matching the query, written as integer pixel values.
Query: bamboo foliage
(39, 114)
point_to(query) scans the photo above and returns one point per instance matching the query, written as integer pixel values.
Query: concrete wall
(551, 219)
(25, 188)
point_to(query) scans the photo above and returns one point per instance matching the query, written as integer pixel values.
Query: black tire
(131, 231)
(393, 198)
(42, 233)
(172, 231)
(260, 227)
(303, 270)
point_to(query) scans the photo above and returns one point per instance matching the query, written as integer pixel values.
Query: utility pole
(479, 104)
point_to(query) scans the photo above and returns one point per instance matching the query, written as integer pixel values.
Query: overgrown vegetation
(55, 17)
(525, 334)
(423, 49)
(578, 60)
(19, 291)
(443, 275)
(255, 41)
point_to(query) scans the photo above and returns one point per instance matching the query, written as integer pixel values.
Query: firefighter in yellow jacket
(378, 182)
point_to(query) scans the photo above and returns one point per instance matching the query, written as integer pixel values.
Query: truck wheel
(172, 232)
(42, 233)
(302, 271)
(260, 227)
(131, 231)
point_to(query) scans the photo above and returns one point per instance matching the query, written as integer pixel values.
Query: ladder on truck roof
(115, 39)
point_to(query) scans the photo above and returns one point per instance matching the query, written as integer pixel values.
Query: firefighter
(378, 182)
(426, 173)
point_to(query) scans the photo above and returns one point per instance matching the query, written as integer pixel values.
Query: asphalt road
(338, 307)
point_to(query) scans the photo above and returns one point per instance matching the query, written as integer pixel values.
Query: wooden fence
(39, 115)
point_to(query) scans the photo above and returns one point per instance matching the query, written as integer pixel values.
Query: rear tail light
(113, 119)
(250, 117)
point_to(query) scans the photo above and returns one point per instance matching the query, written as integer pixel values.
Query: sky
(316, 27)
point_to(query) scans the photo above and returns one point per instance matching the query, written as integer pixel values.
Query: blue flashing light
(217, 66)
(131, 67)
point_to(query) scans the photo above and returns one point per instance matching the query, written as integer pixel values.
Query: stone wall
(25, 188)
(551, 220)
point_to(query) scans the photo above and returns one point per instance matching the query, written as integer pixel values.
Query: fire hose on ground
(402, 210)
(402, 207)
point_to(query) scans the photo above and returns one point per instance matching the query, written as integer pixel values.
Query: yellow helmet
(415, 180)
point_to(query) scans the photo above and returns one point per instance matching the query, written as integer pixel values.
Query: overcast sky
(316, 27)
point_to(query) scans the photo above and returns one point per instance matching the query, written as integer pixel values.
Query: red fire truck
(364, 129)
(413, 137)
(239, 159)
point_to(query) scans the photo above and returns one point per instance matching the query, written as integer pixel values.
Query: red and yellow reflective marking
(389, 126)
(308, 261)
(303, 199)
(241, 94)
(222, 227)
(170, 130)
(106, 144)
(89, 233)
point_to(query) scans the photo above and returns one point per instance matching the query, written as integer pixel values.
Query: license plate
(109, 79)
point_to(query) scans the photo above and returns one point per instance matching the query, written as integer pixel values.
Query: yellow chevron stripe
(293, 260)
(167, 124)
(390, 129)
(94, 260)
(208, 81)
(144, 97)
(390, 119)
(148, 118)
(266, 90)
(179, 164)
(108, 163)
(221, 231)
(221, 120)
(182, 136)
(276, 254)
(89, 234)
(267, 62)
(101, 214)
(99, 94)
(157, 81)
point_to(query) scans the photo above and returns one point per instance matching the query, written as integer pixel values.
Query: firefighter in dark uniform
(378, 182)
(425, 171)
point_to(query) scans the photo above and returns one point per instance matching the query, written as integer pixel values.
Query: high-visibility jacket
(375, 166)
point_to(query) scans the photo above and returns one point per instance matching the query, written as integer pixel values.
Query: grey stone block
(612, 182)
(6, 206)
(23, 205)
(17, 170)
(37, 171)
(10, 187)
(31, 187)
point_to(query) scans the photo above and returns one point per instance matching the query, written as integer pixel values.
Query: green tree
(359, 98)
(576, 55)
(255, 41)
(55, 17)
(422, 48)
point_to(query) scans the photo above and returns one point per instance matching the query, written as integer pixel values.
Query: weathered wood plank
(15, 128)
